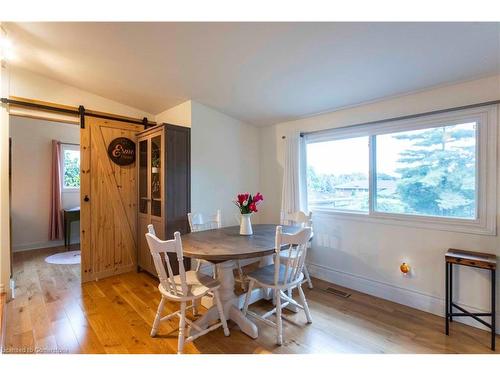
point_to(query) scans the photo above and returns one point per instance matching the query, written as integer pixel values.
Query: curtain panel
(55, 220)
(294, 193)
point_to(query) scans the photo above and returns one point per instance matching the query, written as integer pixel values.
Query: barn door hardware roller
(81, 112)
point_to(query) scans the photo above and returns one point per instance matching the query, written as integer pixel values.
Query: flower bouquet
(247, 205)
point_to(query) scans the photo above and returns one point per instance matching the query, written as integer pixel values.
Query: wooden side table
(470, 259)
(70, 215)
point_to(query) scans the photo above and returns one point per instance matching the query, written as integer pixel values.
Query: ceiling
(261, 73)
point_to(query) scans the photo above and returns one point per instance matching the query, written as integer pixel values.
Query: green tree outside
(71, 169)
(436, 176)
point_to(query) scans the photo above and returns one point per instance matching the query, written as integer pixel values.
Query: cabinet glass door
(156, 177)
(143, 176)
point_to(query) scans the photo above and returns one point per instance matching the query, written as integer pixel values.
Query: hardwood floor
(52, 312)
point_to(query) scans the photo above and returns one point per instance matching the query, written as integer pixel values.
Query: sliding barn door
(108, 201)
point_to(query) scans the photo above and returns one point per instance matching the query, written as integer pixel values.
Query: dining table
(223, 246)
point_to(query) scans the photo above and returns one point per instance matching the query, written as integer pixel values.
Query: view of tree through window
(428, 172)
(337, 174)
(71, 169)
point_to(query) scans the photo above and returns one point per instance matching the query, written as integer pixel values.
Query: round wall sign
(122, 151)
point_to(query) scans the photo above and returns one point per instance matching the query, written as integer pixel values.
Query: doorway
(45, 207)
(107, 196)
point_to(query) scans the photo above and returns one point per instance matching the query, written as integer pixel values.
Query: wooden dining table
(223, 247)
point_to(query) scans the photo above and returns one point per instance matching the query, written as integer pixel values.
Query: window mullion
(372, 174)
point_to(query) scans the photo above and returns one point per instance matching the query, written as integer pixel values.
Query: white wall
(224, 161)
(31, 180)
(178, 115)
(29, 85)
(366, 255)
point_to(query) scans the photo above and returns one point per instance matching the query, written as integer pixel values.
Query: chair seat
(198, 285)
(265, 275)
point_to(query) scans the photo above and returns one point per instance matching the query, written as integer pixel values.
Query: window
(70, 167)
(340, 180)
(428, 172)
(436, 171)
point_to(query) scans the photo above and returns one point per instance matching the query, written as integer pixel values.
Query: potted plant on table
(247, 205)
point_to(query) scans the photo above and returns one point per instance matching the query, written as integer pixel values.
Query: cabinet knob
(86, 198)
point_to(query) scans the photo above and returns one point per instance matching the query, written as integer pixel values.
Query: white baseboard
(418, 300)
(36, 245)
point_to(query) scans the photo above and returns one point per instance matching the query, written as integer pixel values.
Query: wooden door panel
(110, 242)
(87, 257)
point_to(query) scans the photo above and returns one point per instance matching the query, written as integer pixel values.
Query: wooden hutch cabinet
(164, 187)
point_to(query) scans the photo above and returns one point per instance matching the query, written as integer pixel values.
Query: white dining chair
(301, 219)
(185, 287)
(197, 223)
(282, 277)
(194, 304)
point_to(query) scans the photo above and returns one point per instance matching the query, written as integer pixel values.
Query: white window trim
(64, 147)
(486, 180)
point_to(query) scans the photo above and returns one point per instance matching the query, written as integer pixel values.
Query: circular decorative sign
(122, 151)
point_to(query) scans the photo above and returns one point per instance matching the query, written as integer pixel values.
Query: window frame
(64, 147)
(486, 165)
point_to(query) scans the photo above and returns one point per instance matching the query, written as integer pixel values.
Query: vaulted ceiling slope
(261, 73)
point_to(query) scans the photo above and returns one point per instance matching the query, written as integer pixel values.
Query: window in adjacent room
(70, 160)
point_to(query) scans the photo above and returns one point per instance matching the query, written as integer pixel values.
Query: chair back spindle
(296, 218)
(198, 222)
(295, 248)
(159, 251)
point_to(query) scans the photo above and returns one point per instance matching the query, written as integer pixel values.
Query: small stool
(70, 215)
(469, 259)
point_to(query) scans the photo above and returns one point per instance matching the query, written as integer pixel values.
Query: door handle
(86, 198)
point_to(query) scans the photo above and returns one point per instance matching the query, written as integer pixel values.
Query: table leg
(69, 235)
(230, 303)
(493, 309)
(446, 299)
(451, 292)
(65, 231)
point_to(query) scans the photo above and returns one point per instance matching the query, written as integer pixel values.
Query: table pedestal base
(230, 302)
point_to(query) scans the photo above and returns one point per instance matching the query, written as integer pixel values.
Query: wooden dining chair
(301, 219)
(185, 287)
(282, 277)
(197, 223)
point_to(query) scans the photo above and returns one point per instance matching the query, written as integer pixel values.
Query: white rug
(68, 257)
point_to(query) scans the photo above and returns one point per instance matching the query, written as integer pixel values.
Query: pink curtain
(55, 223)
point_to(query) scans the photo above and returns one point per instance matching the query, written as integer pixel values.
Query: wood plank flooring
(53, 313)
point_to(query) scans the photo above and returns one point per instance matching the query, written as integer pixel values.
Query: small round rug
(68, 257)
